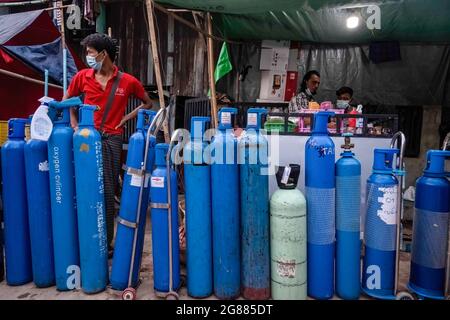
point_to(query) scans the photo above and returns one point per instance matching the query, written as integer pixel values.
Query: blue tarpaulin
(46, 56)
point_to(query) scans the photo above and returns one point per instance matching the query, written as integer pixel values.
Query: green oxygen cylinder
(288, 237)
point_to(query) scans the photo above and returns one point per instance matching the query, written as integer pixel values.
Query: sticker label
(84, 147)
(158, 182)
(388, 208)
(43, 166)
(252, 119)
(226, 118)
(84, 133)
(286, 269)
(136, 180)
(286, 173)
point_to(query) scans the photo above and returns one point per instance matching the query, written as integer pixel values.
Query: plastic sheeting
(12, 24)
(419, 78)
(46, 56)
(324, 21)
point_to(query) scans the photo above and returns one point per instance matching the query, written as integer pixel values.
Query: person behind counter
(302, 100)
(308, 88)
(344, 99)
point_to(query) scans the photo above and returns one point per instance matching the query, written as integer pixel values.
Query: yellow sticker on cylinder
(84, 133)
(84, 147)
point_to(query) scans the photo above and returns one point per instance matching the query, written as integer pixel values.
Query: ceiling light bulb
(352, 22)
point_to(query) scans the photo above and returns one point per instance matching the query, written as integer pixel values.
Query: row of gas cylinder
(237, 240)
(54, 220)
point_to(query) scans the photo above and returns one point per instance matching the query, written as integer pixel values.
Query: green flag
(223, 64)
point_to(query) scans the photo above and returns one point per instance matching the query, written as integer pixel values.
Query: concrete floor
(144, 291)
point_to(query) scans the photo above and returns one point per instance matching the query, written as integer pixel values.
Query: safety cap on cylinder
(436, 163)
(321, 121)
(287, 177)
(198, 122)
(226, 118)
(255, 118)
(144, 119)
(383, 158)
(65, 106)
(16, 128)
(86, 115)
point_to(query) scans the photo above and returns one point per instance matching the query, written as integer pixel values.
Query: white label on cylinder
(226, 118)
(252, 119)
(43, 166)
(136, 180)
(286, 269)
(388, 201)
(157, 182)
(286, 173)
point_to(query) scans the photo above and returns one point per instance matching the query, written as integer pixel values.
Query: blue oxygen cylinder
(127, 221)
(197, 179)
(39, 212)
(320, 197)
(62, 197)
(160, 223)
(378, 275)
(225, 208)
(17, 234)
(88, 161)
(431, 228)
(254, 185)
(348, 203)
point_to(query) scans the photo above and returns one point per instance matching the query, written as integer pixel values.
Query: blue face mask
(93, 63)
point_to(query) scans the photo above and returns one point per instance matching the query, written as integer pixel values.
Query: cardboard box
(273, 85)
(274, 59)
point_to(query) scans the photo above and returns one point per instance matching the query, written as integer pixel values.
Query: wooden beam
(212, 83)
(151, 25)
(191, 25)
(199, 60)
(58, 7)
(19, 76)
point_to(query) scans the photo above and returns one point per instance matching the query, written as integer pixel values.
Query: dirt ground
(145, 290)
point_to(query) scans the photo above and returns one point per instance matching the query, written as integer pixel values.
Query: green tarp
(324, 21)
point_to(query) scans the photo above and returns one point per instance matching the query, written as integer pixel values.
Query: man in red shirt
(105, 86)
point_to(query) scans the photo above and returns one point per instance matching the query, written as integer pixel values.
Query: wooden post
(151, 25)
(212, 84)
(63, 32)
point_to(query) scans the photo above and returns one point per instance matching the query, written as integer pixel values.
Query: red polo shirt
(85, 82)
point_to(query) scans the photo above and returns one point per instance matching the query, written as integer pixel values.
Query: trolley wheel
(129, 294)
(404, 296)
(172, 296)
